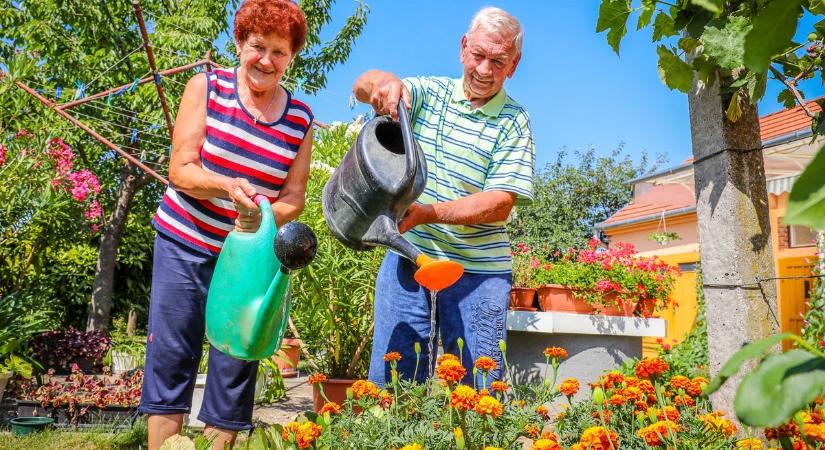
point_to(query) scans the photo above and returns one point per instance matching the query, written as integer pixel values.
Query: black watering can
(378, 179)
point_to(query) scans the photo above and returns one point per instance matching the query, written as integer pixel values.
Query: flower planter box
(123, 361)
(335, 390)
(522, 298)
(111, 417)
(554, 297)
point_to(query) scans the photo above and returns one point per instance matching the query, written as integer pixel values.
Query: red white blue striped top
(235, 146)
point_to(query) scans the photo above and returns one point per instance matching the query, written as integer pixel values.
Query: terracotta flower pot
(335, 390)
(288, 357)
(554, 297)
(646, 307)
(613, 307)
(521, 297)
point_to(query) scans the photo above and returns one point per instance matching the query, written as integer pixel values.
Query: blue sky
(577, 91)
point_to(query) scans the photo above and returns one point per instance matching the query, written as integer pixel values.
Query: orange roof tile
(653, 200)
(786, 121)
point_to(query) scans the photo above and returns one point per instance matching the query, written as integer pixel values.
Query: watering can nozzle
(295, 245)
(437, 275)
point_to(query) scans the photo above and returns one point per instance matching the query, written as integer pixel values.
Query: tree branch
(791, 87)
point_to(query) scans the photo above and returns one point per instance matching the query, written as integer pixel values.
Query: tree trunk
(101, 307)
(131, 322)
(734, 229)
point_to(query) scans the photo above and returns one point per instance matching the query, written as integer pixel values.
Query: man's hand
(382, 90)
(418, 214)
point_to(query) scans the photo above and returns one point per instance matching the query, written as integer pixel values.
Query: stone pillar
(734, 229)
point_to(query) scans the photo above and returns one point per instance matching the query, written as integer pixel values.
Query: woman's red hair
(281, 17)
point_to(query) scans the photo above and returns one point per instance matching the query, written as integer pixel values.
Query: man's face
(488, 58)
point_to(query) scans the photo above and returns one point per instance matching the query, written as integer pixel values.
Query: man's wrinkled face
(488, 58)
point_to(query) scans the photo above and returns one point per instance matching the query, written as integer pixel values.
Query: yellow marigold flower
(490, 447)
(486, 364)
(749, 443)
(364, 388)
(317, 378)
(463, 398)
(716, 421)
(569, 387)
(815, 432)
(680, 382)
(499, 386)
(599, 438)
(653, 434)
(412, 447)
(555, 352)
(450, 370)
(393, 356)
(545, 444)
(331, 408)
(487, 405)
(305, 433)
(543, 412)
(651, 367)
(445, 357)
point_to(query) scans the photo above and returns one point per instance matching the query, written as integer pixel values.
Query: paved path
(298, 399)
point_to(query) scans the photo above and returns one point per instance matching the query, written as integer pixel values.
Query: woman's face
(264, 59)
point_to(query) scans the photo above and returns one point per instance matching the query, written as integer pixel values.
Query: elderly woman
(238, 133)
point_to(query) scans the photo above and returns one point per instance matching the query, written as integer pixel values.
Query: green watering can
(247, 307)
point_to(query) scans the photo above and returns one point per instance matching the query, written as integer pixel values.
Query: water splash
(433, 333)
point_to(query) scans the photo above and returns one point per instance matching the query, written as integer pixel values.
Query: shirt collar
(492, 108)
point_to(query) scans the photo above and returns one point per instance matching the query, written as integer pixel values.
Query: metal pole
(151, 56)
(91, 132)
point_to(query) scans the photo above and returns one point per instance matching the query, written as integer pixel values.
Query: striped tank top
(236, 146)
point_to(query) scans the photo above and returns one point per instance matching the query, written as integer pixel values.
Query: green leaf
(726, 45)
(773, 29)
(663, 27)
(714, 6)
(648, 8)
(786, 98)
(781, 385)
(817, 7)
(705, 69)
(820, 26)
(688, 44)
(675, 73)
(757, 83)
(753, 350)
(613, 16)
(734, 111)
(806, 205)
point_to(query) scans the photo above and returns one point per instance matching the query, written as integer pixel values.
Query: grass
(134, 438)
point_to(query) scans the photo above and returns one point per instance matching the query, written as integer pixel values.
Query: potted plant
(525, 265)
(332, 298)
(288, 357)
(61, 349)
(612, 281)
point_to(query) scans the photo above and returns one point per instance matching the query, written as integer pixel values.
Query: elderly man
(480, 162)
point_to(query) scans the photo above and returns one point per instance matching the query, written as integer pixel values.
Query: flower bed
(60, 349)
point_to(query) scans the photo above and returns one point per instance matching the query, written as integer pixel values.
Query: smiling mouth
(264, 71)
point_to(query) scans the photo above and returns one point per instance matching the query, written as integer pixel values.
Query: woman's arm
(292, 197)
(185, 171)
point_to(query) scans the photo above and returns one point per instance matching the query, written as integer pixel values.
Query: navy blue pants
(180, 281)
(474, 309)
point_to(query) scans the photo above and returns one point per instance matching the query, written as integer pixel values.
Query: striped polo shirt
(468, 151)
(238, 147)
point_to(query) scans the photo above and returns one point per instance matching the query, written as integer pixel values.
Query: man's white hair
(498, 20)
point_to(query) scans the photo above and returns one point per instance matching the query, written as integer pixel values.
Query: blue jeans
(475, 309)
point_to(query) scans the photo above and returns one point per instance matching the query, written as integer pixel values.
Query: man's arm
(382, 90)
(482, 207)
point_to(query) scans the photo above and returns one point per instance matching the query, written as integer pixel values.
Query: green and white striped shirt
(468, 151)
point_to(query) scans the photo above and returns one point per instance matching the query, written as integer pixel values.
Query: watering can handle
(409, 144)
(258, 198)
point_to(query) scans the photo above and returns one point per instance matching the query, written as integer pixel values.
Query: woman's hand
(240, 191)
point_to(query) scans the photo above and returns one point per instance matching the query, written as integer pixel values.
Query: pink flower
(93, 211)
(22, 133)
(83, 182)
(535, 263)
(2, 154)
(62, 156)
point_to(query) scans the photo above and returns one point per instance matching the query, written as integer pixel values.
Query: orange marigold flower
(683, 400)
(499, 386)
(483, 391)
(716, 421)
(317, 378)
(697, 384)
(641, 406)
(485, 364)
(632, 393)
(532, 430)
(463, 398)
(599, 438)
(445, 357)
(555, 352)
(549, 435)
(305, 433)
(489, 406)
(749, 443)
(577, 446)
(543, 412)
(606, 413)
(815, 432)
(653, 433)
(647, 387)
(611, 379)
(569, 387)
(680, 382)
(667, 413)
(392, 356)
(617, 399)
(450, 370)
(364, 388)
(331, 408)
(545, 444)
(651, 367)
(385, 400)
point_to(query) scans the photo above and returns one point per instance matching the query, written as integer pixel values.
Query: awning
(778, 186)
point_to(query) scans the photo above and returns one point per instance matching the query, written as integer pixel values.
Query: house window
(802, 236)
(688, 267)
